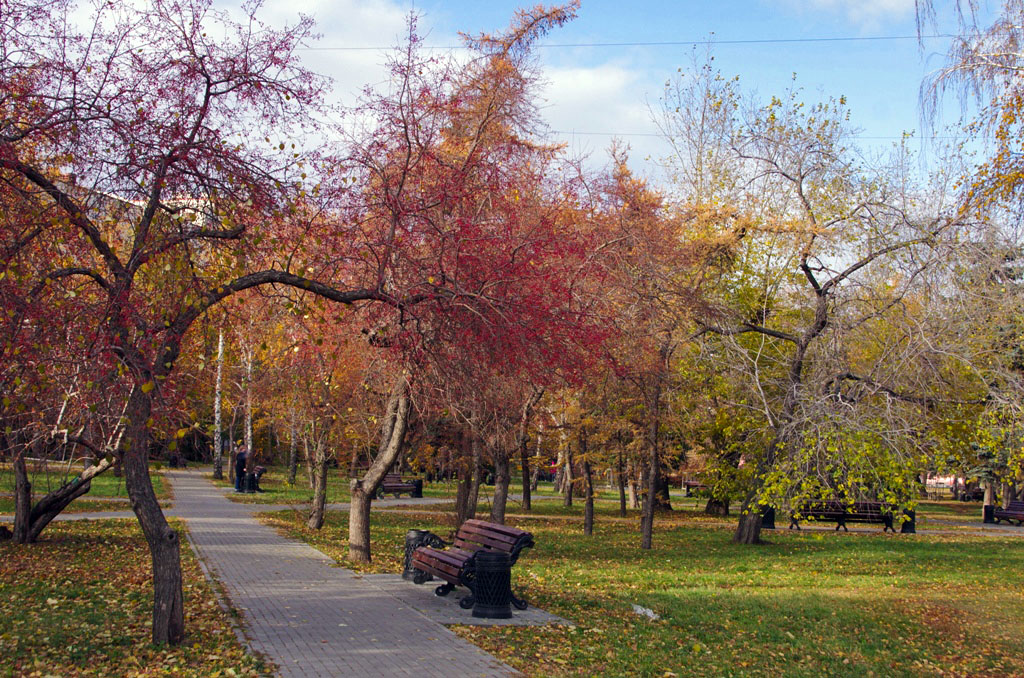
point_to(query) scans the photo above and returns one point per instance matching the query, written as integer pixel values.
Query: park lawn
(105, 485)
(277, 490)
(79, 603)
(960, 511)
(80, 505)
(806, 605)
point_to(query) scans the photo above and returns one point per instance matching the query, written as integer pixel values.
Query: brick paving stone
(308, 616)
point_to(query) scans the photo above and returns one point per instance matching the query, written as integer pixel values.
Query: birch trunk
(218, 442)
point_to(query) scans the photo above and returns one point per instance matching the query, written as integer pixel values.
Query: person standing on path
(240, 459)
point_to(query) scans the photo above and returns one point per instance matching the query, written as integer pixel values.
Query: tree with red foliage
(163, 141)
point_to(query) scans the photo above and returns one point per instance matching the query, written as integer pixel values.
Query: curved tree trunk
(164, 544)
(51, 506)
(393, 428)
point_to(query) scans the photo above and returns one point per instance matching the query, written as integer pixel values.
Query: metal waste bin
(493, 585)
(249, 483)
(413, 540)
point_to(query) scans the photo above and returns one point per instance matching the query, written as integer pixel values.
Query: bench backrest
(1015, 506)
(833, 507)
(474, 535)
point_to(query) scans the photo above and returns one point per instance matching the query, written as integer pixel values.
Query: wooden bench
(456, 565)
(842, 513)
(694, 486)
(1015, 511)
(394, 484)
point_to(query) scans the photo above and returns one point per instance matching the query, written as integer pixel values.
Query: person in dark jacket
(240, 460)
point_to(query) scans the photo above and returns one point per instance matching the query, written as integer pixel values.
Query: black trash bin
(413, 540)
(249, 483)
(493, 585)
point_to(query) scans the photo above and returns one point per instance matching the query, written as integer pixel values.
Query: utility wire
(667, 43)
(657, 135)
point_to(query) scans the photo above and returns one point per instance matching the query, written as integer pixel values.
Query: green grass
(81, 505)
(806, 605)
(79, 603)
(277, 490)
(56, 474)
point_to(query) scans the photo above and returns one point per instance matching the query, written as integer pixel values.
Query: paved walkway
(302, 612)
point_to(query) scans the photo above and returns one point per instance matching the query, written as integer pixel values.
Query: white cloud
(588, 106)
(864, 13)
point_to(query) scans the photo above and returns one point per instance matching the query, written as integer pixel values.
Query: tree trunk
(474, 487)
(309, 459)
(567, 480)
(749, 529)
(990, 493)
(465, 475)
(653, 467)
(393, 428)
(588, 506)
(524, 460)
(359, 523)
(22, 499)
(164, 545)
(631, 484)
(717, 507)
(218, 443)
(293, 450)
(662, 499)
(50, 506)
(319, 507)
(621, 480)
(501, 483)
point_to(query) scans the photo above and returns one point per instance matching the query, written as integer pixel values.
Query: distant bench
(693, 486)
(457, 565)
(394, 484)
(858, 512)
(1015, 511)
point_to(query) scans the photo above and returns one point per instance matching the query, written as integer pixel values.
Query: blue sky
(596, 91)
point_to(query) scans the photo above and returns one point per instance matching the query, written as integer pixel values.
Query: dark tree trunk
(293, 453)
(524, 460)
(473, 497)
(164, 544)
(22, 500)
(465, 475)
(567, 478)
(319, 508)
(393, 429)
(50, 506)
(588, 506)
(662, 501)
(620, 476)
(653, 468)
(749, 529)
(501, 483)
(717, 507)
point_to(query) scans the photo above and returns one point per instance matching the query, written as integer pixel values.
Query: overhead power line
(658, 135)
(667, 43)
